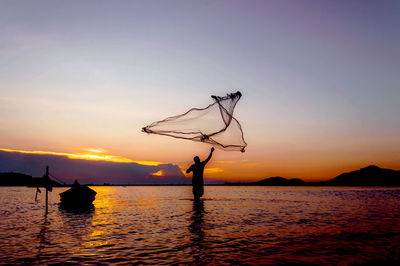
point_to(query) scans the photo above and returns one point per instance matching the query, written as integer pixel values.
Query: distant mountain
(369, 176)
(280, 181)
(17, 179)
(273, 181)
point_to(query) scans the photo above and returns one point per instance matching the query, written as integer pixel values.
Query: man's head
(196, 159)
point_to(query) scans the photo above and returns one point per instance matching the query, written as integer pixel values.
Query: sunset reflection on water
(163, 225)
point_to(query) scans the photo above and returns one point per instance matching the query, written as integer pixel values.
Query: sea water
(231, 225)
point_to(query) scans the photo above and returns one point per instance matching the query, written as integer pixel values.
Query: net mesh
(213, 124)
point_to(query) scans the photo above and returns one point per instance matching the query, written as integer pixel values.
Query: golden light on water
(105, 206)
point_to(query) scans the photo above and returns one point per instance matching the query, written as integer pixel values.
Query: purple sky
(320, 79)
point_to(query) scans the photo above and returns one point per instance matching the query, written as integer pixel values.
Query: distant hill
(17, 179)
(369, 176)
(273, 181)
(280, 181)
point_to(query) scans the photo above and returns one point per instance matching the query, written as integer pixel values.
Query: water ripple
(232, 225)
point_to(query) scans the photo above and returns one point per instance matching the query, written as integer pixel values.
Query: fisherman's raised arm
(209, 156)
(189, 169)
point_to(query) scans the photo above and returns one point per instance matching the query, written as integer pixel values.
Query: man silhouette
(197, 181)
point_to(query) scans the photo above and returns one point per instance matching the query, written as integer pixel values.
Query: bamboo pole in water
(47, 191)
(47, 209)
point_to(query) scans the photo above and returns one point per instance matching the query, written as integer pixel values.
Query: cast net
(213, 124)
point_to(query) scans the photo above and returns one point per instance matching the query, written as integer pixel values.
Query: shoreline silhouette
(368, 176)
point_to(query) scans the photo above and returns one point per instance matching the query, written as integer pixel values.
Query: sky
(320, 81)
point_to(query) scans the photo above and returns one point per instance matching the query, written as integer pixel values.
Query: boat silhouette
(77, 197)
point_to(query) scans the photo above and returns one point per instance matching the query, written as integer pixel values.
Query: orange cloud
(231, 162)
(159, 173)
(89, 154)
(213, 170)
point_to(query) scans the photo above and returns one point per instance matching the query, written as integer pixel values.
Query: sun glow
(213, 170)
(159, 173)
(89, 154)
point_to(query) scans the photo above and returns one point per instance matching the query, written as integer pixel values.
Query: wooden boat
(78, 197)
